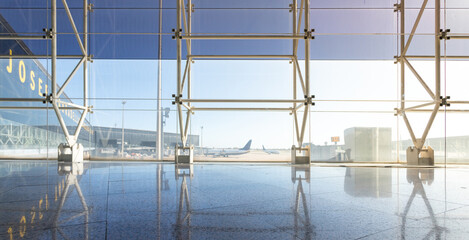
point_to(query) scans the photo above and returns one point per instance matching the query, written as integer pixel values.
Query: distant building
(110, 137)
(368, 144)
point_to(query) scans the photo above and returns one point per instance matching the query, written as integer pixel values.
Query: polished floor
(129, 200)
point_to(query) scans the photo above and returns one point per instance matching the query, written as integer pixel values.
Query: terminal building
(36, 133)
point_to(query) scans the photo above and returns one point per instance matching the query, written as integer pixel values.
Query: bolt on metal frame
(184, 78)
(54, 97)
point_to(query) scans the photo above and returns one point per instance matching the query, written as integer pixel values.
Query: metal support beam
(61, 90)
(409, 127)
(23, 37)
(404, 46)
(243, 100)
(302, 4)
(22, 99)
(57, 104)
(306, 79)
(189, 52)
(294, 64)
(179, 58)
(441, 110)
(297, 128)
(188, 120)
(433, 57)
(239, 56)
(414, 28)
(437, 52)
(186, 25)
(242, 109)
(187, 35)
(186, 72)
(71, 104)
(297, 65)
(86, 53)
(458, 102)
(427, 128)
(159, 122)
(458, 37)
(70, 140)
(35, 108)
(424, 85)
(80, 123)
(239, 37)
(419, 106)
(186, 106)
(39, 56)
(72, 22)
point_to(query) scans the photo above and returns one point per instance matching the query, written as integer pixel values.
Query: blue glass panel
(379, 47)
(234, 21)
(457, 20)
(124, 79)
(24, 4)
(35, 20)
(39, 4)
(444, 3)
(124, 46)
(353, 21)
(125, 21)
(457, 47)
(242, 21)
(232, 4)
(143, 4)
(352, 3)
(228, 47)
(26, 20)
(422, 45)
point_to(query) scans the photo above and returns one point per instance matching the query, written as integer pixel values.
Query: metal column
(159, 122)
(419, 154)
(182, 76)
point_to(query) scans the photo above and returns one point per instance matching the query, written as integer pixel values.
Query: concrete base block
(422, 157)
(300, 155)
(184, 155)
(73, 168)
(300, 172)
(183, 169)
(70, 154)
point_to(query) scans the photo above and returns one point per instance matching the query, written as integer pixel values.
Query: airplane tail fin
(247, 146)
(263, 148)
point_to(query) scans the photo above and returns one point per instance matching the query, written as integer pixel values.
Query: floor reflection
(368, 182)
(183, 222)
(48, 200)
(303, 228)
(418, 177)
(72, 173)
(41, 204)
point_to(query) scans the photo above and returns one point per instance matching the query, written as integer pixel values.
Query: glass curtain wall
(355, 77)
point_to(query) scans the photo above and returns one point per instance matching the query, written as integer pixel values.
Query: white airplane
(270, 151)
(228, 152)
